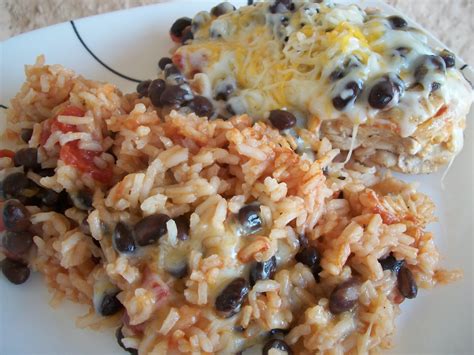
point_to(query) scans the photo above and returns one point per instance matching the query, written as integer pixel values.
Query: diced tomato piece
(178, 61)
(72, 111)
(54, 125)
(104, 176)
(441, 111)
(70, 153)
(388, 217)
(153, 283)
(6, 153)
(136, 328)
(83, 160)
(161, 294)
(45, 131)
(189, 69)
(63, 127)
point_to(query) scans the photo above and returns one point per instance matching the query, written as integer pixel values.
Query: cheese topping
(320, 59)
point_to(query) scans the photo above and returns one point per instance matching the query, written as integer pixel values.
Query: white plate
(131, 42)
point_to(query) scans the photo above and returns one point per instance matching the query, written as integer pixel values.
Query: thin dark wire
(97, 58)
(3, 106)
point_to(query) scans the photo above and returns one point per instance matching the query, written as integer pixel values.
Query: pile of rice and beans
(192, 235)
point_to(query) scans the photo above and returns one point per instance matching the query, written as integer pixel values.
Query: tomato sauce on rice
(204, 204)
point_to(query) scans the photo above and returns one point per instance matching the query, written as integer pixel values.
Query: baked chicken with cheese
(368, 82)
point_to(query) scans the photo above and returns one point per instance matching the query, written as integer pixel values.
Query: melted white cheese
(288, 59)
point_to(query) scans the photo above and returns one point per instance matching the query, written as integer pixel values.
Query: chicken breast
(368, 82)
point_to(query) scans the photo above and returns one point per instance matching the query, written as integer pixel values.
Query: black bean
(449, 58)
(343, 70)
(200, 19)
(284, 21)
(427, 63)
(232, 296)
(122, 238)
(397, 22)
(308, 256)
(239, 329)
(278, 345)
(278, 331)
(82, 199)
(282, 119)
(17, 244)
(171, 70)
(48, 197)
(15, 271)
(32, 201)
(179, 25)
(344, 297)
(182, 226)
(316, 270)
(187, 35)
(351, 91)
(262, 270)
(392, 264)
(150, 229)
(201, 106)
(173, 95)
(337, 74)
(110, 305)
(164, 62)
(224, 90)
(303, 239)
(249, 218)
(280, 6)
(222, 8)
(26, 134)
(435, 86)
(16, 217)
(27, 157)
(406, 283)
(85, 228)
(403, 51)
(142, 88)
(179, 270)
(18, 186)
(386, 92)
(45, 172)
(155, 90)
(64, 202)
(119, 336)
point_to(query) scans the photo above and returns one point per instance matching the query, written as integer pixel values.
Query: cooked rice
(178, 164)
